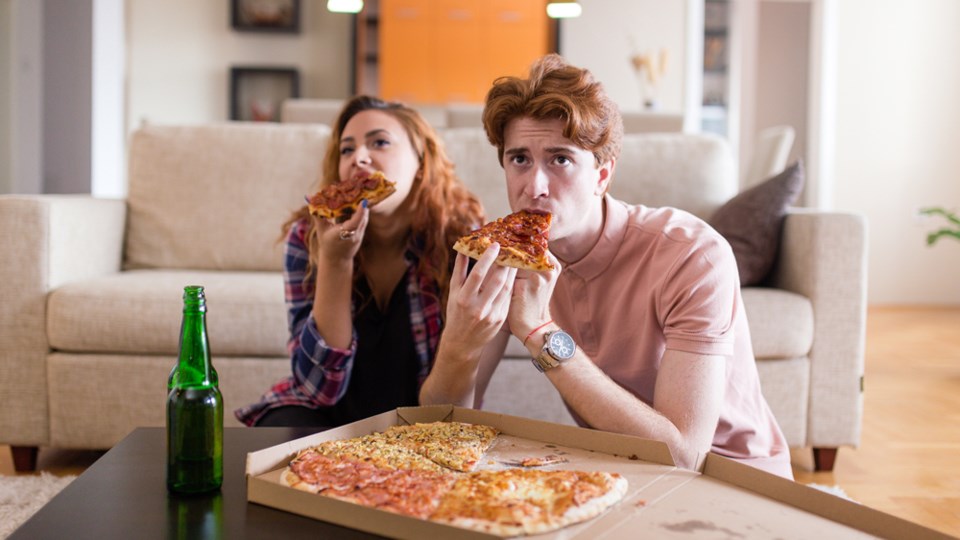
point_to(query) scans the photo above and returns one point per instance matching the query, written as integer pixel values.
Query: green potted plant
(953, 229)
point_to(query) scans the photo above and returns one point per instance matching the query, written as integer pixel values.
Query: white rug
(833, 490)
(22, 496)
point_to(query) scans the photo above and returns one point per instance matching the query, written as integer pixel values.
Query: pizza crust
(474, 246)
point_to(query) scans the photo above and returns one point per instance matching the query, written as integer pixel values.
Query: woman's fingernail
(363, 203)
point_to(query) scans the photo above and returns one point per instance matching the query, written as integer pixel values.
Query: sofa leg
(824, 458)
(24, 458)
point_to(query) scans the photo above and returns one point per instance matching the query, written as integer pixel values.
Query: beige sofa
(90, 298)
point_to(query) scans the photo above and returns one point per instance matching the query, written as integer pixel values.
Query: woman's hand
(478, 303)
(339, 242)
(530, 303)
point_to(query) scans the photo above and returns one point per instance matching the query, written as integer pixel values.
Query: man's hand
(530, 304)
(476, 309)
(478, 302)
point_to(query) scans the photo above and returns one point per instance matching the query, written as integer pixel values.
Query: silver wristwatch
(558, 347)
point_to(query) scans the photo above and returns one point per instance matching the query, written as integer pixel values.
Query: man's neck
(575, 247)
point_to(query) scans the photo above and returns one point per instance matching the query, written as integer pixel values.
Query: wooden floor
(908, 463)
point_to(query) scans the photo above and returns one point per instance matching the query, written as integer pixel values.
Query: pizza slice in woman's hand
(342, 199)
(523, 239)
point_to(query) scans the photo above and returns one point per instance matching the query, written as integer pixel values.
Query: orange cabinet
(450, 51)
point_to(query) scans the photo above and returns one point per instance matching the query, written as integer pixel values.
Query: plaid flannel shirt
(321, 374)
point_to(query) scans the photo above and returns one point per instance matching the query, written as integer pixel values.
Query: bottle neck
(193, 366)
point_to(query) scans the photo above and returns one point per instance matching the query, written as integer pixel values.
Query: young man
(641, 326)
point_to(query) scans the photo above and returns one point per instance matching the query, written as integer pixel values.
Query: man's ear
(605, 176)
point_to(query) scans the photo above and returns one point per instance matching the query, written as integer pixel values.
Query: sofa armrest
(45, 241)
(823, 256)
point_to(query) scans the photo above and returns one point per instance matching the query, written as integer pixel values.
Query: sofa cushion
(139, 312)
(475, 161)
(781, 322)
(693, 172)
(753, 222)
(215, 196)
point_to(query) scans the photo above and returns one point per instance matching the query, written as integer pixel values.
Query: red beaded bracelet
(534, 331)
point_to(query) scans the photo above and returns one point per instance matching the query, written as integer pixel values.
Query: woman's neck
(386, 235)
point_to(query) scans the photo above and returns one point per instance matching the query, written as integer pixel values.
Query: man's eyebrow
(555, 149)
(514, 151)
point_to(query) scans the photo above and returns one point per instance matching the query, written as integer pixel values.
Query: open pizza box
(726, 499)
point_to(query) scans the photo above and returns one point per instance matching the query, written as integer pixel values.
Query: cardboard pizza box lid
(725, 499)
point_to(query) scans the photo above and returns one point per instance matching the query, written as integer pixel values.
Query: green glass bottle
(194, 406)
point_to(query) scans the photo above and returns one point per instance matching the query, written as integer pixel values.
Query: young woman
(366, 296)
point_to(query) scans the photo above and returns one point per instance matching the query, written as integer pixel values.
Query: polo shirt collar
(611, 238)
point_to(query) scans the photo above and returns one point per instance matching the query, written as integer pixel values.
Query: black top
(385, 367)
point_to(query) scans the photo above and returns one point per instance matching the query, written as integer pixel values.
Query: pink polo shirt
(658, 279)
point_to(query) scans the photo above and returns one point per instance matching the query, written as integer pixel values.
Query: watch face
(561, 345)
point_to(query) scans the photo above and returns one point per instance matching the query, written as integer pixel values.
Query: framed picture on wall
(265, 15)
(257, 93)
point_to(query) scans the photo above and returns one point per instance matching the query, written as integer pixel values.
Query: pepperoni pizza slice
(343, 198)
(523, 239)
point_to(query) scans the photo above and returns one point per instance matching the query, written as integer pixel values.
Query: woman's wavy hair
(555, 89)
(443, 209)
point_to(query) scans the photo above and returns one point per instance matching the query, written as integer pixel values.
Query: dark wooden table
(124, 495)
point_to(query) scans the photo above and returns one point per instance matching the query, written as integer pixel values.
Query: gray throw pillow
(752, 222)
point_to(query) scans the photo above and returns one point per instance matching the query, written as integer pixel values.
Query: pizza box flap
(837, 511)
(614, 444)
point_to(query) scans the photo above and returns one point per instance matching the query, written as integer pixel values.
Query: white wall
(782, 59)
(898, 139)
(179, 54)
(603, 38)
(108, 136)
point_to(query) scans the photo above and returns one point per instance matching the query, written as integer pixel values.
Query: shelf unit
(714, 114)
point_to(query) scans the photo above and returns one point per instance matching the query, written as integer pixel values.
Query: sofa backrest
(215, 196)
(694, 172)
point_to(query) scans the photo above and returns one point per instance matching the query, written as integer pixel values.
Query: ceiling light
(345, 6)
(563, 10)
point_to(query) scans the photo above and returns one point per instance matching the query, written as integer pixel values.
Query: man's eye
(562, 160)
(519, 160)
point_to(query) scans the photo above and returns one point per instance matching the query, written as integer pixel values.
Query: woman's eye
(379, 143)
(345, 150)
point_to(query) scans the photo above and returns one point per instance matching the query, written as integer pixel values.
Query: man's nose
(539, 184)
